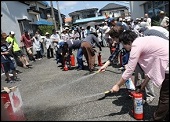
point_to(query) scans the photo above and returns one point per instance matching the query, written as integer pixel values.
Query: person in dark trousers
(152, 54)
(49, 45)
(68, 47)
(88, 45)
(6, 60)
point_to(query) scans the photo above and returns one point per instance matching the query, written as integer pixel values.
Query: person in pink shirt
(152, 54)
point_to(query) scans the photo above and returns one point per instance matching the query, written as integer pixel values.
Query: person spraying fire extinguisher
(152, 54)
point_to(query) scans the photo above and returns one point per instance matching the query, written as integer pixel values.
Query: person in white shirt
(82, 33)
(37, 46)
(76, 35)
(147, 19)
(49, 45)
(55, 38)
(164, 20)
(65, 36)
(87, 31)
(105, 36)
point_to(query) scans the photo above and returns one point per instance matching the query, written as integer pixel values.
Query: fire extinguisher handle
(138, 89)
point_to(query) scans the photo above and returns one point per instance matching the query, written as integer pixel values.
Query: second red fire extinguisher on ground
(72, 59)
(99, 59)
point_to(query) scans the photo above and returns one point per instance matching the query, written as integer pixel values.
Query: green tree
(45, 28)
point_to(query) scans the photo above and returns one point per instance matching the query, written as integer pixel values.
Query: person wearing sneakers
(16, 50)
(6, 60)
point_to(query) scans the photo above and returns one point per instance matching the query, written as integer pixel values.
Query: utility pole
(59, 16)
(53, 16)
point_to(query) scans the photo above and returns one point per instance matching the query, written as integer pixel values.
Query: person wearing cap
(17, 52)
(6, 60)
(75, 35)
(37, 46)
(164, 20)
(49, 45)
(28, 43)
(123, 24)
(56, 39)
(37, 33)
(111, 22)
(88, 45)
(65, 36)
(130, 23)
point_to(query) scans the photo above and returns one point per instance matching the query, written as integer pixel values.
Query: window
(42, 14)
(150, 5)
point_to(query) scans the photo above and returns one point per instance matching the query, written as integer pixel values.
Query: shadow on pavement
(127, 106)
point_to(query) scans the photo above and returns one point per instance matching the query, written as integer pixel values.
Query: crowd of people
(145, 50)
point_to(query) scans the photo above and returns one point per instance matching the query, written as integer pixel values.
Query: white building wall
(12, 11)
(137, 9)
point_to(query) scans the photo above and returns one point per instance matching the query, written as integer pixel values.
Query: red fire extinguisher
(113, 49)
(138, 105)
(72, 59)
(99, 59)
(65, 68)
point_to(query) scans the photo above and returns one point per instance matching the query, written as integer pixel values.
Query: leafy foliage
(45, 28)
(155, 23)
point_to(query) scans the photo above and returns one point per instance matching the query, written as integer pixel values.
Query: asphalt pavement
(50, 94)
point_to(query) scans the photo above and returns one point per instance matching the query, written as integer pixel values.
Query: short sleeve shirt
(15, 45)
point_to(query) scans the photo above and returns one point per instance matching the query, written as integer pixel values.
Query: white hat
(162, 12)
(12, 32)
(66, 28)
(120, 19)
(92, 29)
(47, 33)
(128, 20)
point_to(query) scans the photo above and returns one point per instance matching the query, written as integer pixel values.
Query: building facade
(114, 10)
(82, 17)
(18, 16)
(83, 14)
(139, 8)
